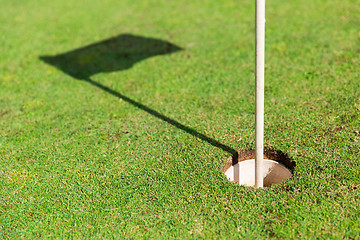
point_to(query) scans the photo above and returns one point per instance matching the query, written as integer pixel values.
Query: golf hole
(240, 168)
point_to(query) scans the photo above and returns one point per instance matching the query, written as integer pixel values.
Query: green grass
(79, 162)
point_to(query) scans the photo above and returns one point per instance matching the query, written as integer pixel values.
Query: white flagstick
(259, 91)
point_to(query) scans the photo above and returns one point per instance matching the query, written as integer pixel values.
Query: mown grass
(79, 162)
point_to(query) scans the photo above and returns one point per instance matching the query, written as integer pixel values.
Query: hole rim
(269, 153)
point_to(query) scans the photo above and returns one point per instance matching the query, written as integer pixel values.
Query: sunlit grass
(78, 160)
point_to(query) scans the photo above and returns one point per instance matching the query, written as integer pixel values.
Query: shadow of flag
(113, 54)
(116, 54)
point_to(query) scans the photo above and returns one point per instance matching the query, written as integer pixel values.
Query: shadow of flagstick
(172, 122)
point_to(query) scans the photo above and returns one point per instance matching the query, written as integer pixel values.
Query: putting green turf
(138, 152)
